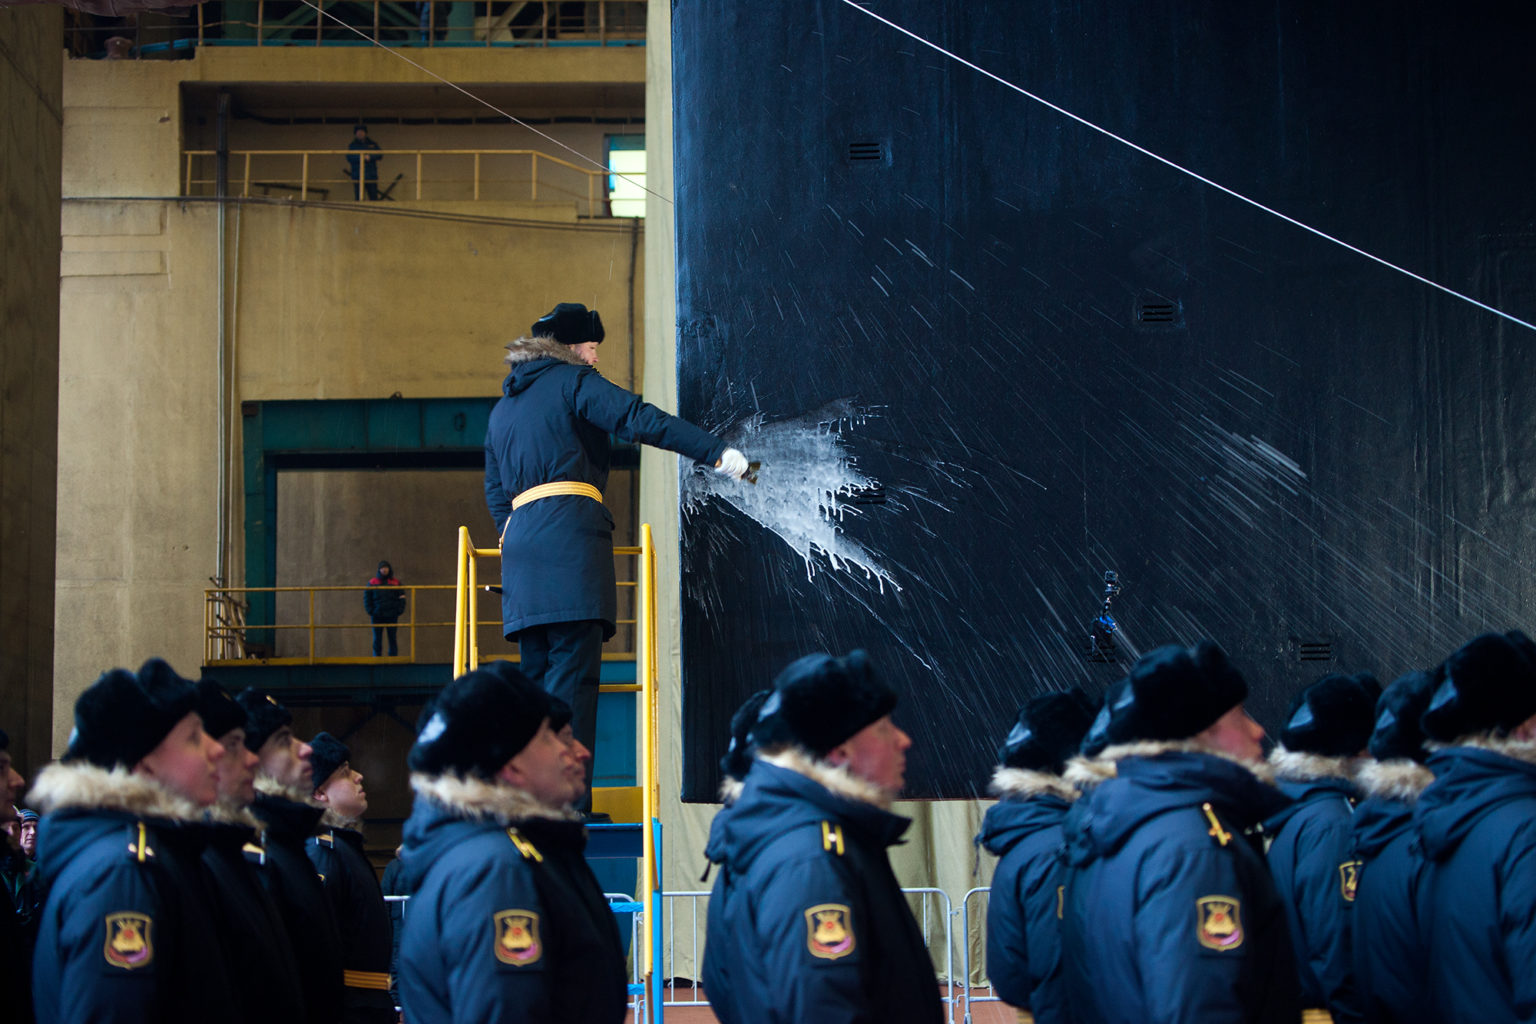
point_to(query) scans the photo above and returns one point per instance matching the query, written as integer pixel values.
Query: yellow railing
(312, 614)
(435, 175)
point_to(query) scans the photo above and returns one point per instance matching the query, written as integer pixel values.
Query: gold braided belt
(559, 487)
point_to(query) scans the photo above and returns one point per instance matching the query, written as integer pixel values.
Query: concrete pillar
(31, 123)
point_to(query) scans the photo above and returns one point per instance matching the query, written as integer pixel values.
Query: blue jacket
(128, 931)
(1477, 826)
(1311, 857)
(1390, 962)
(1171, 915)
(813, 925)
(295, 889)
(255, 941)
(362, 921)
(1023, 927)
(506, 921)
(552, 425)
(716, 971)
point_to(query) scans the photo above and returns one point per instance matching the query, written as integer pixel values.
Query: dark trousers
(378, 637)
(565, 658)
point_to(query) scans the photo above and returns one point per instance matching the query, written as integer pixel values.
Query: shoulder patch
(516, 937)
(1349, 879)
(129, 944)
(829, 931)
(1219, 922)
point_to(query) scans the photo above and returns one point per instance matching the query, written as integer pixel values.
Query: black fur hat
(1487, 685)
(1332, 717)
(123, 716)
(479, 722)
(327, 753)
(560, 714)
(738, 754)
(819, 701)
(263, 717)
(1171, 693)
(218, 710)
(1397, 733)
(1048, 730)
(569, 323)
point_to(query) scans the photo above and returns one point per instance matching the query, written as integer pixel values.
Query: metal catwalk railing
(424, 175)
(445, 24)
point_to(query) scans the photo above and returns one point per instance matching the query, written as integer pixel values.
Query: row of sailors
(1133, 882)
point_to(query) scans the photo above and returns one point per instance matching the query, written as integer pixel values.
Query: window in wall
(626, 194)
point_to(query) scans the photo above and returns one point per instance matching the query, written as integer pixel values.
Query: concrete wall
(322, 301)
(30, 126)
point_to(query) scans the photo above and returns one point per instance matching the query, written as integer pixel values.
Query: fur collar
(269, 786)
(730, 789)
(1020, 783)
(1398, 779)
(478, 799)
(1085, 773)
(1517, 750)
(525, 350)
(223, 813)
(1300, 766)
(330, 819)
(80, 786)
(835, 778)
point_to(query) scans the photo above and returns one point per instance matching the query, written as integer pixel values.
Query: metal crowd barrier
(965, 948)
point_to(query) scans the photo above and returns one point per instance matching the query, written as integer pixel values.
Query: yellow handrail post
(304, 179)
(650, 790)
(474, 612)
(533, 177)
(460, 603)
(477, 174)
(311, 626)
(245, 189)
(412, 593)
(418, 169)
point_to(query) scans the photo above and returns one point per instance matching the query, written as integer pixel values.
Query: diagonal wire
(484, 102)
(1185, 170)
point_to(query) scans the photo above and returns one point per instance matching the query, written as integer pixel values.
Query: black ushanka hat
(327, 753)
(263, 717)
(219, 711)
(1048, 731)
(479, 722)
(738, 753)
(1397, 733)
(569, 323)
(1333, 717)
(1487, 685)
(124, 715)
(1171, 693)
(819, 701)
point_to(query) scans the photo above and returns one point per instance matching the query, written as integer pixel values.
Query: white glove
(732, 464)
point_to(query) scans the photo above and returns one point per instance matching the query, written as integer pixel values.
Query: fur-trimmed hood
(790, 789)
(79, 786)
(1300, 766)
(1156, 779)
(527, 349)
(1471, 780)
(330, 819)
(1023, 783)
(839, 780)
(1084, 773)
(1399, 779)
(284, 813)
(450, 810)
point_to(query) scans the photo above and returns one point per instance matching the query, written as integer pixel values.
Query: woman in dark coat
(546, 463)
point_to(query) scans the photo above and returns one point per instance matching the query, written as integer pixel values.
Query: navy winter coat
(1313, 863)
(128, 931)
(1390, 962)
(813, 925)
(507, 922)
(552, 425)
(300, 899)
(361, 919)
(716, 971)
(1172, 916)
(255, 941)
(383, 601)
(1477, 826)
(1023, 926)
